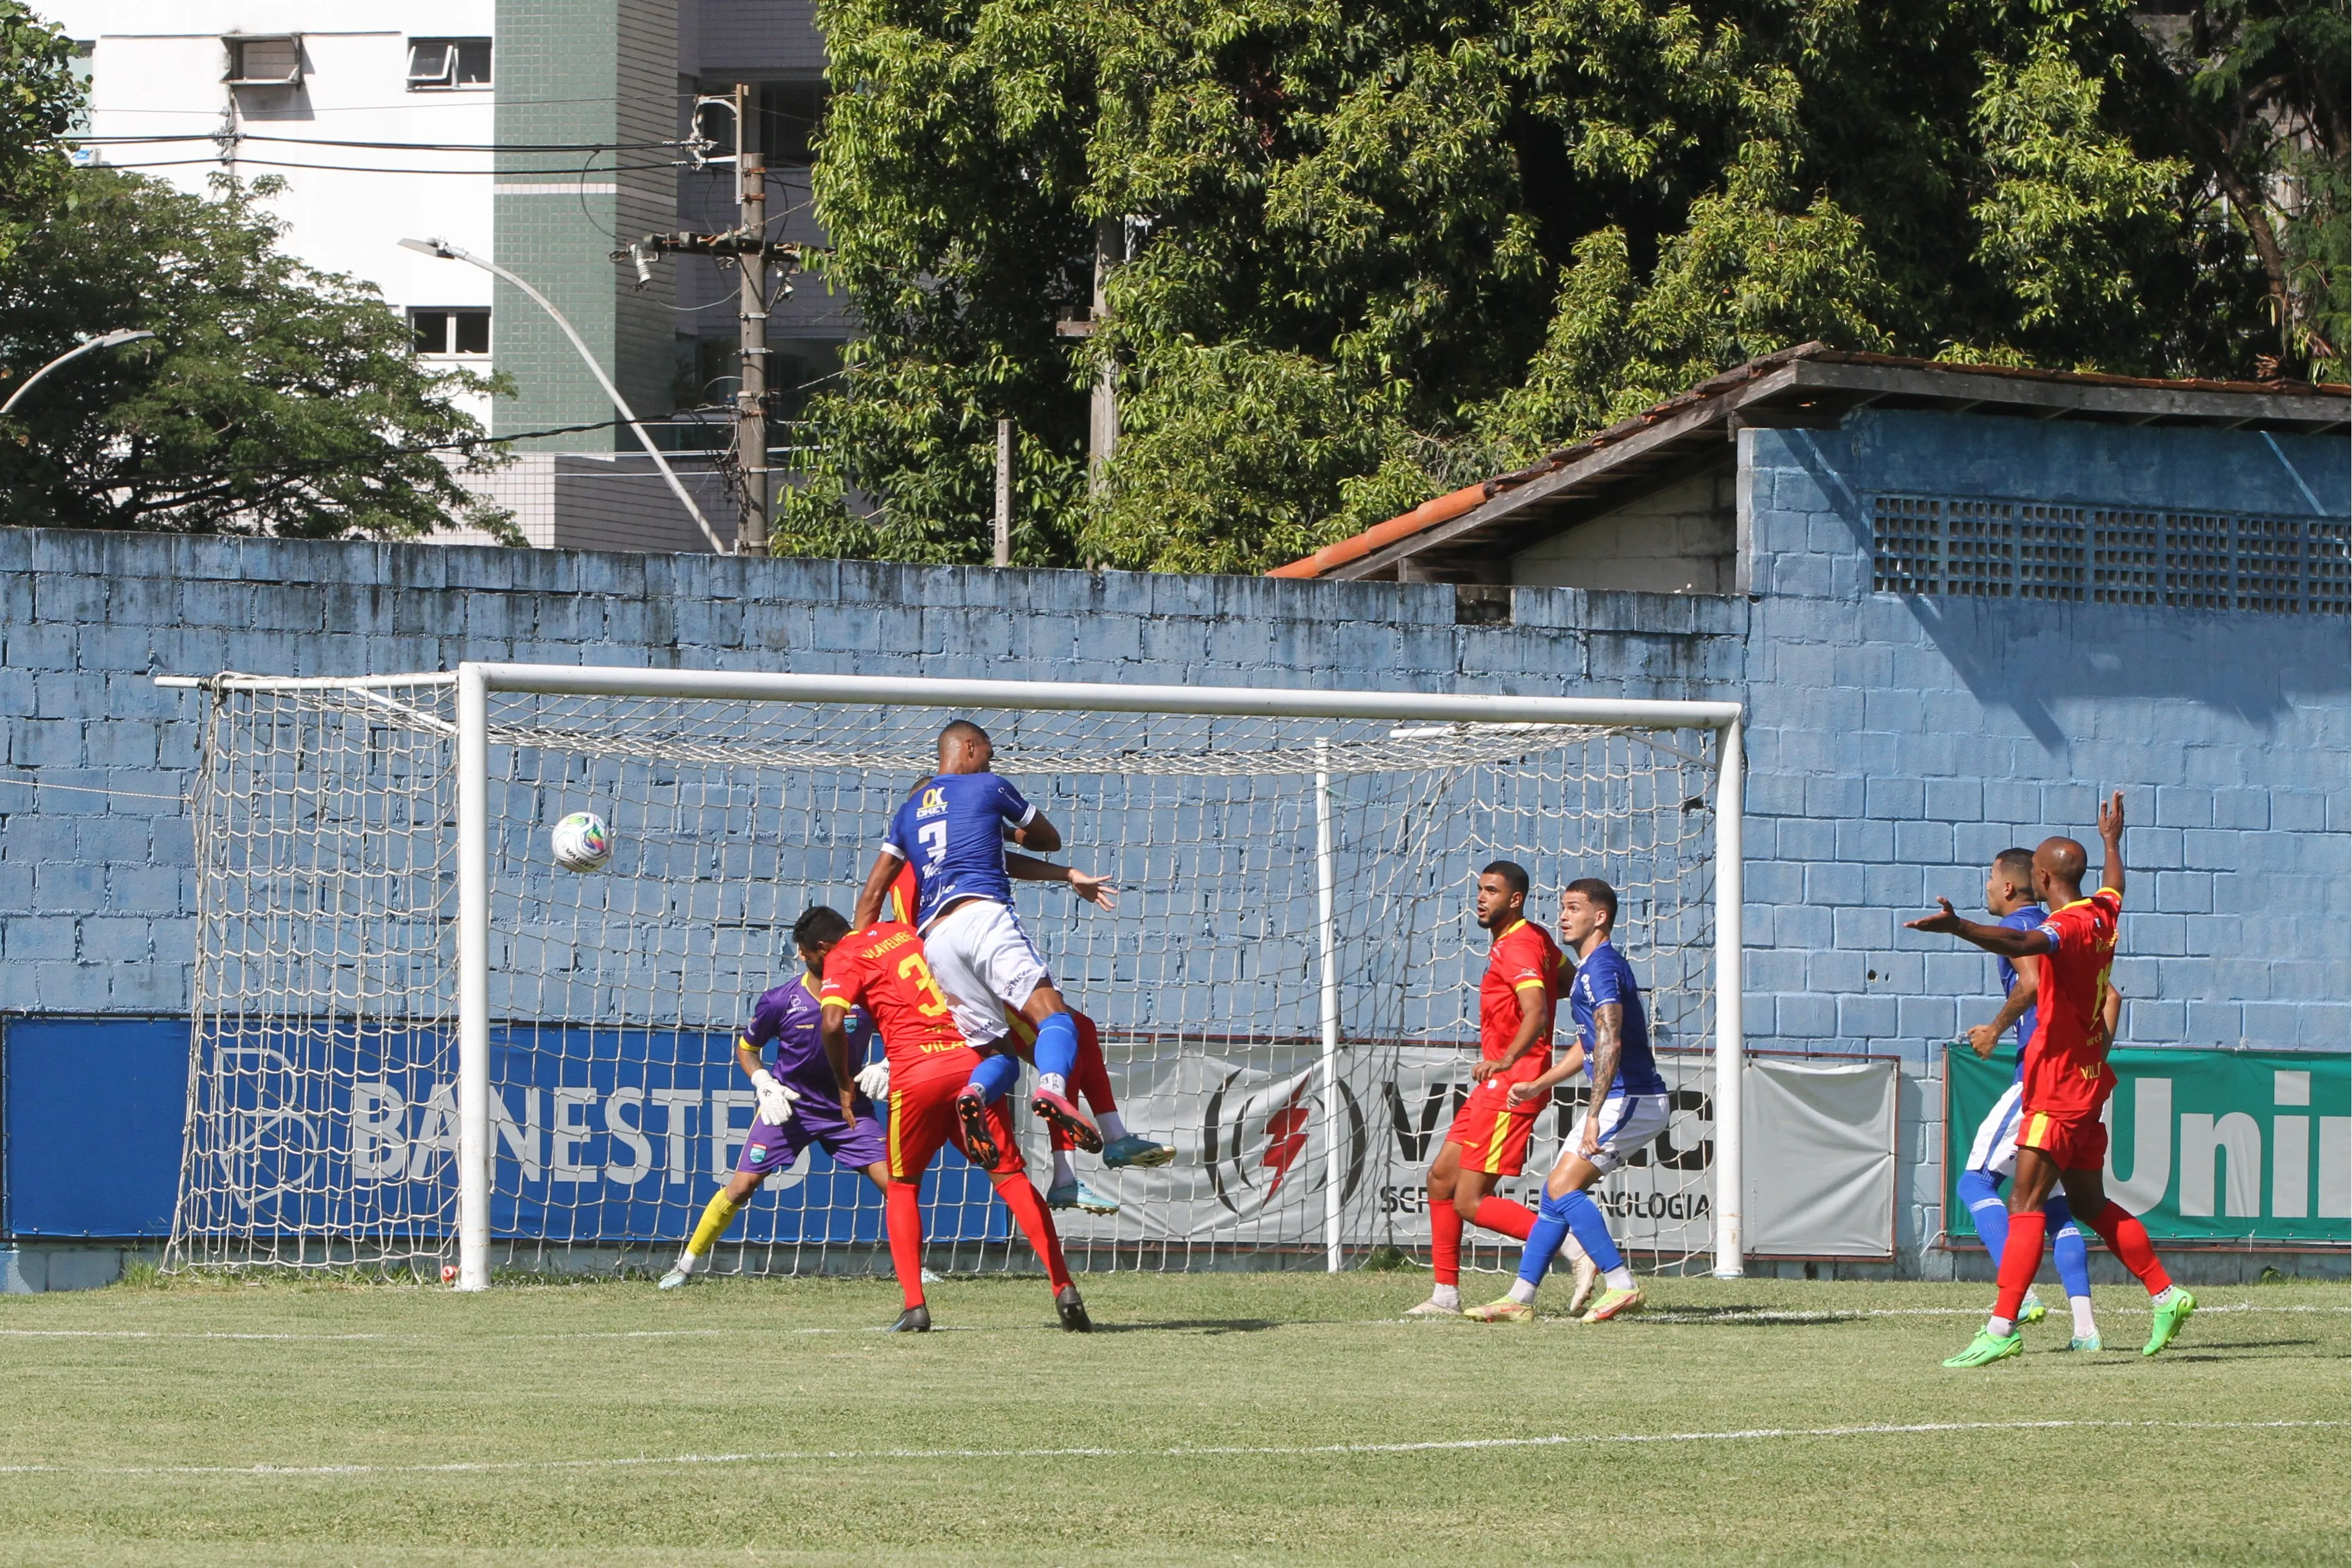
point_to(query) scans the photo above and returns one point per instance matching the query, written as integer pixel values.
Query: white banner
(1253, 1131)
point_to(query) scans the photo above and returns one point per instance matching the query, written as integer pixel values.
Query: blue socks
(1980, 1190)
(1057, 1047)
(1575, 1212)
(993, 1075)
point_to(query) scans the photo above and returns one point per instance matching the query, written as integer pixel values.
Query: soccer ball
(583, 842)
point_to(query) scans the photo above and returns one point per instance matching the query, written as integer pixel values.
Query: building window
(265, 61)
(444, 65)
(1965, 546)
(445, 333)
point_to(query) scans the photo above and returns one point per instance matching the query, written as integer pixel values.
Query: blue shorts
(854, 1146)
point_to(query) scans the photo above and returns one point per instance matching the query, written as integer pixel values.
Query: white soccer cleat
(1432, 1307)
(1587, 1274)
(675, 1279)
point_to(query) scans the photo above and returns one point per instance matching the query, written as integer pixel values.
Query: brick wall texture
(1893, 743)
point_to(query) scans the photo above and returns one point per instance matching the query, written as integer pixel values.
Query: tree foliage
(1372, 249)
(273, 399)
(38, 97)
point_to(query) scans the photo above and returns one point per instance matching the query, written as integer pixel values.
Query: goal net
(1286, 993)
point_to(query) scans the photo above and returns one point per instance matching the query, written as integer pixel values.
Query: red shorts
(923, 1121)
(1494, 1138)
(2076, 1141)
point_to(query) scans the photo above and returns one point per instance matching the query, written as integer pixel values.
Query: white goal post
(1450, 736)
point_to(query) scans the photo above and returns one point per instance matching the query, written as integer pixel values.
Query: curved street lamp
(448, 252)
(124, 335)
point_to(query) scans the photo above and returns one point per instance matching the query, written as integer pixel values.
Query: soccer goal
(419, 1042)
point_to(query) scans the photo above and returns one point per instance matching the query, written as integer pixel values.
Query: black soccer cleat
(1072, 1310)
(915, 1320)
(979, 1143)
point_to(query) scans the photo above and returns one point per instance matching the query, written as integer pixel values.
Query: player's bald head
(2063, 859)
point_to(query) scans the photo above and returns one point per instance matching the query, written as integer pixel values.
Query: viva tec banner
(2202, 1145)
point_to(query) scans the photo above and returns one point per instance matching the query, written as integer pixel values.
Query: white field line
(1338, 1450)
(1760, 1315)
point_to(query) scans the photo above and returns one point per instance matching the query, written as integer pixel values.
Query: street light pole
(107, 341)
(448, 252)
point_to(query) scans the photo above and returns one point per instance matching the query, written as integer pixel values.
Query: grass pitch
(1250, 1417)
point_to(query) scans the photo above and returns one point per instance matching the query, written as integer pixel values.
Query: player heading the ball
(2060, 1140)
(952, 829)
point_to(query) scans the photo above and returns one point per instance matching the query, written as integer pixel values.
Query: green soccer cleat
(674, 1280)
(2084, 1342)
(1613, 1303)
(1503, 1312)
(1988, 1348)
(2031, 1310)
(2172, 1309)
(1075, 1195)
(1137, 1151)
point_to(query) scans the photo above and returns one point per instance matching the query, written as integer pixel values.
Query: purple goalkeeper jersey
(787, 1017)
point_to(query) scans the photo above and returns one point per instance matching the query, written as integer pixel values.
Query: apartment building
(544, 135)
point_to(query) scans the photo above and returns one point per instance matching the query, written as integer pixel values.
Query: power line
(225, 161)
(387, 146)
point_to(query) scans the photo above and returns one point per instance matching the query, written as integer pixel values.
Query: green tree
(38, 97)
(273, 399)
(1373, 250)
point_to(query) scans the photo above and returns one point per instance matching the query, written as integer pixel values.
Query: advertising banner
(2203, 1145)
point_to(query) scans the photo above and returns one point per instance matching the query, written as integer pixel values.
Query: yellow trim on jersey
(1509, 929)
(2034, 1130)
(1532, 984)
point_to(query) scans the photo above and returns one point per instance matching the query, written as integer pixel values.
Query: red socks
(1029, 1214)
(902, 1217)
(1445, 1242)
(1091, 1080)
(2127, 1239)
(1513, 1220)
(2019, 1259)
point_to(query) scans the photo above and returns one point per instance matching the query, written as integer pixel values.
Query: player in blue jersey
(1992, 1159)
(799, 1099)
(952, 830)
(1625, 1113)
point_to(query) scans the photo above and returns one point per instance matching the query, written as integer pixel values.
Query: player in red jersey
(2060, 1137)
(1488, 1140)
(1090, 1082)
(882, 970)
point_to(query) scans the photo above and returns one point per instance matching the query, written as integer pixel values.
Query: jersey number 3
(912, 967)
(933, 836)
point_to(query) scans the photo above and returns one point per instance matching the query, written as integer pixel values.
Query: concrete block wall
(1896, 744)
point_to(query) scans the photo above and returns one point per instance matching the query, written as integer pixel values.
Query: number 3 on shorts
(913, 968)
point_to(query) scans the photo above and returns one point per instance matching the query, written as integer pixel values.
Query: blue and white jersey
(1602, 977)
(2025, 918)
(953, 832)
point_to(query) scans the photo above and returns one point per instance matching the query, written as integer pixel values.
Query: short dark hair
(1596, 891)
(1514, 875)
(2016, 864)
(962, 730)
(819, 924)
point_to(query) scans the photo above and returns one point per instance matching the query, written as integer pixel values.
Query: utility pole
(1005, 492)
(749, 244)
(752, 264)
(1102, 413)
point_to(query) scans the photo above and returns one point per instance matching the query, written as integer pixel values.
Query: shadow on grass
(1204, 1326)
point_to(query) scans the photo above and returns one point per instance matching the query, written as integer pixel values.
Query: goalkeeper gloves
(874, 1080)
(775, 1099)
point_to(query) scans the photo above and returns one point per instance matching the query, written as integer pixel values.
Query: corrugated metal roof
(1811, 384)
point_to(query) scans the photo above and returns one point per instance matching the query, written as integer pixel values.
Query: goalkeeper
(800, 1100)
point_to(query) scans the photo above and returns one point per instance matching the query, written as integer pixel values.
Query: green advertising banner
(2203, 1145)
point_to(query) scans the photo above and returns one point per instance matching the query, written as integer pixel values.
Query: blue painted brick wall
(1893, 744)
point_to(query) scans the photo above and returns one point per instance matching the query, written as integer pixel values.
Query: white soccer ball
(583, 842)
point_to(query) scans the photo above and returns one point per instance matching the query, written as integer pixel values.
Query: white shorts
(1629, 1124)
(1995, 1149)
(984, 962)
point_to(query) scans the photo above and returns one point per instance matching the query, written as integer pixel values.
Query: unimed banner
(2203, 1145)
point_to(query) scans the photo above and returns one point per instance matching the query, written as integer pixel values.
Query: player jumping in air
(882, 969)
(952, 830)
(2060, 1138)
(1488, 1140)
(799, 1100)
(2009, 898)
(1090, 1081)
(1624, 1114)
